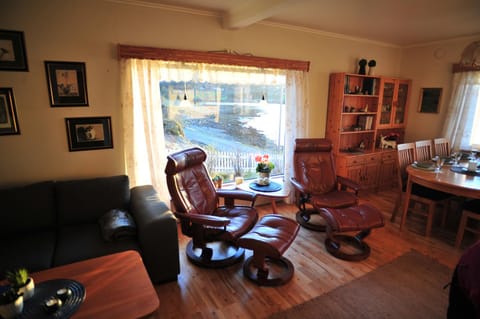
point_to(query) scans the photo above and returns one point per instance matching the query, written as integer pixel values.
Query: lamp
(185, 101)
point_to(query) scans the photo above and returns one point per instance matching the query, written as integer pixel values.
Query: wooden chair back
(406, 156)
(423, 150)
(442, 147)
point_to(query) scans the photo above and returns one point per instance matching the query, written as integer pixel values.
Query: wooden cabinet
(352, 112)
(364, 169)
(361, 109)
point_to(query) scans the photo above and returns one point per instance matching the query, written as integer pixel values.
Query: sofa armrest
(157, 233)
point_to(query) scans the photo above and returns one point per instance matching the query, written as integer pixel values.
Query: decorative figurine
(362, 63)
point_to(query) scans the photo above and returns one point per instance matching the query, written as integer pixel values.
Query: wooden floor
(225, 293)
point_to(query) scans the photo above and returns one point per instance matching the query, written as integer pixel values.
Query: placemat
(463, 170)
(272, 187)
(34, 307)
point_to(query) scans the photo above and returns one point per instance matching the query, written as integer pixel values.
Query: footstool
(360, 218)
(269, 239)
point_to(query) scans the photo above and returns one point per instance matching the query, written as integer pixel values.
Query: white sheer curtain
(144, 141)
(460, 118)
(145, 155)
(297, 107)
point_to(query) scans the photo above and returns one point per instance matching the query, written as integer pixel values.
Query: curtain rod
(138, 52)
(459, 67)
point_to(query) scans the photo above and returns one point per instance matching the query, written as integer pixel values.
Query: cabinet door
(355, 173)
(388, 174)
(400, 106)
(387, 103)
(370, 175)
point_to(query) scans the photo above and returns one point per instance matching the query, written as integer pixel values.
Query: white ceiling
(396, 22)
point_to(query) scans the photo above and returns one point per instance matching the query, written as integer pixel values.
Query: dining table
(455, 180)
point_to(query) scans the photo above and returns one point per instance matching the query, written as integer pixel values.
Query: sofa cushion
(85, 201)
(80, 242)
(27, 208)
(117, 224)
(33, 251)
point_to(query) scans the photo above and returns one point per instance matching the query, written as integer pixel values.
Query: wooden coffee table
(117, 286)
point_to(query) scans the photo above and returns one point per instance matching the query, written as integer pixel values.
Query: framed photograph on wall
(89, 133)
(67, 83)
(12, 51)
(430, 99)
(8, 113)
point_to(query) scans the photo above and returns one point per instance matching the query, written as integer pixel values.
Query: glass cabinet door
(387, 103)
(401, 103)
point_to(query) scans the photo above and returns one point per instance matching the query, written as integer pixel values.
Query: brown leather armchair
(214, 229)
(315, 181)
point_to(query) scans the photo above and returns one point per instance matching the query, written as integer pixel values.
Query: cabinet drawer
(373, 158)
(389, 156)
(355, 160)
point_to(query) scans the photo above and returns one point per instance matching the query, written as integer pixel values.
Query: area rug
(411, 286)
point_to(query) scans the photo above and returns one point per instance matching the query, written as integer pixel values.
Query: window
(233, 122)
(475, 136)
(142, 71)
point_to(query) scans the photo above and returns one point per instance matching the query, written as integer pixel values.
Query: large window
(233, 122)
(475, 137)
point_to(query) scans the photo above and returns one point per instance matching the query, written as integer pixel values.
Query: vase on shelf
(263, 178)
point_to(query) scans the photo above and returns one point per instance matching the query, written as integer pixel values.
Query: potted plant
(264, 168)
(11, 302)
(217, 180)
(20, 280)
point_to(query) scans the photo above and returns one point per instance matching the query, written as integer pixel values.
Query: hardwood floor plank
(226, 293)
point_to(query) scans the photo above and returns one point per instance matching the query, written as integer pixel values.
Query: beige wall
(430, 66)
(89, 30)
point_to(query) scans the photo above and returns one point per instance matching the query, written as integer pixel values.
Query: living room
(89, 31)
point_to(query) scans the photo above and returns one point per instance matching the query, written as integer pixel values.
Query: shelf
(359, 113)
(357, 132)
(361, 95)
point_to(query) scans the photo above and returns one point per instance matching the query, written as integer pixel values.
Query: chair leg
(461, 229)
(431, 213)
(398, 205)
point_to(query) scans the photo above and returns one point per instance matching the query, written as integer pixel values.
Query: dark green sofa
(49, 224)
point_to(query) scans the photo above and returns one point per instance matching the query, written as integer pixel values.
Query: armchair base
(279, 271)
(346, 247)
(304, 217)
(214, 254)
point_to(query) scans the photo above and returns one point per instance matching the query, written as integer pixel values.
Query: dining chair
(470, 213)
(441, 146)
(423, 200)
(423, 150)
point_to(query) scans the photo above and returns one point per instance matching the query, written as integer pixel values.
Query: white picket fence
(240, 163)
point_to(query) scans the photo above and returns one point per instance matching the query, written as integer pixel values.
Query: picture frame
(13, 56)
(8, 113)
(89, 133)
(67, 83)
(430, 99)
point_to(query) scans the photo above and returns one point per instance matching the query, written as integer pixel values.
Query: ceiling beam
(251, 11)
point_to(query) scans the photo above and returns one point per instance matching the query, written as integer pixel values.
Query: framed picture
(67, 83)
(8, 113)
(89, 133)
(12, 51)
(430, 100)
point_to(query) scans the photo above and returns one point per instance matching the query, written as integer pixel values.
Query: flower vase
(28, 289)
(263, 178)
(13, 309)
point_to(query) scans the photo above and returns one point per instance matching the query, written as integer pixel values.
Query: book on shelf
(365, 122)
